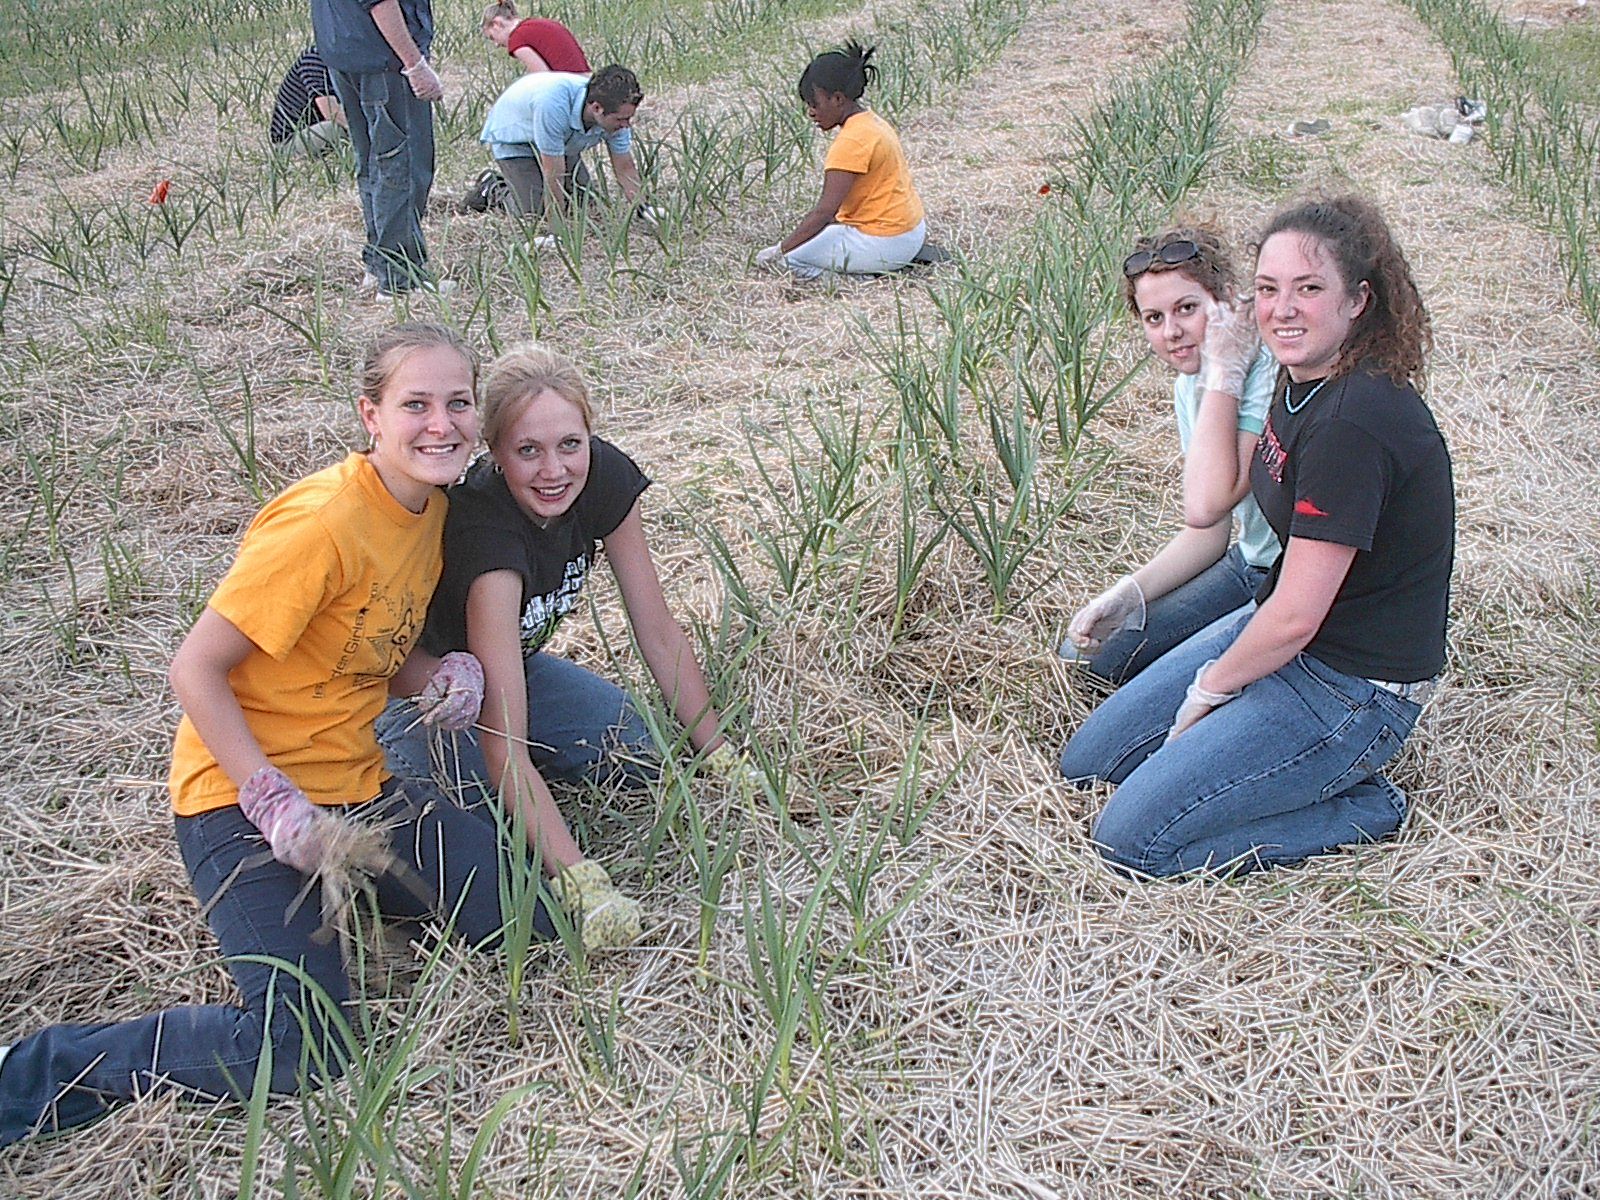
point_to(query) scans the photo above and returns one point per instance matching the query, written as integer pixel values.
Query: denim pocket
(1348, 690)
(1383, 745)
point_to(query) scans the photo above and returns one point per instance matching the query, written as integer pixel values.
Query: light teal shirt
(1256, 540)
(543, 113)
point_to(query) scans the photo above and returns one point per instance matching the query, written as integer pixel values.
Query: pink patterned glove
(454, 692)
(286, 818)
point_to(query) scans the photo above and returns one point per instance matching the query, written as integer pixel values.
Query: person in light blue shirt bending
(541, 125)
(1179, 284)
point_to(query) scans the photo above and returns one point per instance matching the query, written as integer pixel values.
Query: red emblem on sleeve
(1305, 508)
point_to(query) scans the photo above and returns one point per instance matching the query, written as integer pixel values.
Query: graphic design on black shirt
(544, 612)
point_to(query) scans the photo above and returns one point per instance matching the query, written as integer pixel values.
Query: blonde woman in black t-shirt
(524, 530)
(1259, 741)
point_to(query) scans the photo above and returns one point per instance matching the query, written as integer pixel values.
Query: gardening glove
(1228, 348)
(736, 769)
(424, 81)
(1121, 606)
(1197, 702)
(453, 694)
(286, 818)
(608, 919)
(769, 256)
(651, 215)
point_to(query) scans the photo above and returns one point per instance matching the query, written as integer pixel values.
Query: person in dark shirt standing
(376, 51)
(306, 117)
(538, 43)
(1259, 741)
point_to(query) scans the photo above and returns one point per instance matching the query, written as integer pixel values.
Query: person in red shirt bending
(538, 43)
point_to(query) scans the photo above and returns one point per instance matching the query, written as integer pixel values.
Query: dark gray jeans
(69, 1074)
(391, 132)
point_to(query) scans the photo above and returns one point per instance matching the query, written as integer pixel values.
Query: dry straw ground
(1412, 1019)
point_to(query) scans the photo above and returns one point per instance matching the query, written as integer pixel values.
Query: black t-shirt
(1361, 463)
(486, 531)
(296, 105)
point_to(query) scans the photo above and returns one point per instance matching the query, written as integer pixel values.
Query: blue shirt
(348, 40)
(544, 111)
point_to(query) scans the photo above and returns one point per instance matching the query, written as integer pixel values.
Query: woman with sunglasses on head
(1179, 284)
(276, 776)
(1259, 741)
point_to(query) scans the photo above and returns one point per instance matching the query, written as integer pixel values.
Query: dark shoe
(487, 191)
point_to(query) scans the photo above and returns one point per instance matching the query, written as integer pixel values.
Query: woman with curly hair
(1259, 741)
(1179, 284)
(868, 220)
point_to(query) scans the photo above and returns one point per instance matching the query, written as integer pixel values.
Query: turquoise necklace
(1294, 408)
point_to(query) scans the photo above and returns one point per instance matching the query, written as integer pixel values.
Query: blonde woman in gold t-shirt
(869, 219)
(281, 679)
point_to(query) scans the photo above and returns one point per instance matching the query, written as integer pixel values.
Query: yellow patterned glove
(607, 919)
(736, 769)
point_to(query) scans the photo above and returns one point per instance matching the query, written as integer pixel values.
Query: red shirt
(551, 41)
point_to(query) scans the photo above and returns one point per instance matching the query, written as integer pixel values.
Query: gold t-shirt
(882, 201)
(331, 584)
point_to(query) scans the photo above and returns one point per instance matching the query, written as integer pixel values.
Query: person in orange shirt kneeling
(869, 220)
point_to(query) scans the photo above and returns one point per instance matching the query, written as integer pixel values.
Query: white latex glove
(1119, 607)
(1228, 348)
(424, 81)
(651, 215)
(1197, 702)
(453, 695)
(769, 256)
(285, 816)
(544, 241)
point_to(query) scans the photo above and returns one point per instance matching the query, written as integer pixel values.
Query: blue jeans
(581, 729)
(1288, 770)
(1225, 586)
(69, 1074)
(391, 132)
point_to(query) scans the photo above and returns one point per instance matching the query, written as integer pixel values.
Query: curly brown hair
(1212, 268)
(1393, 334)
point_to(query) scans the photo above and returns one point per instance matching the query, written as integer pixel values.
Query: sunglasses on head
(1171, 254)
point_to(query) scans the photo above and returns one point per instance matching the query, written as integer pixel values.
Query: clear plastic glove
(770, 256)
(286, 817)
(1228, 348)
(453, 695)
(424, 81)
(1119, 607)
(608, 919)
(1197, 702)
(736, 769)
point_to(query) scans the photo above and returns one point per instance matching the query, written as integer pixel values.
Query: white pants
(846, 249)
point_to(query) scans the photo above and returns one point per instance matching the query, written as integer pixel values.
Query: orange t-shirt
(882, 201)
(331, 584)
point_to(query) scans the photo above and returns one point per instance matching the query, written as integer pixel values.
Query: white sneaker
(429, 287)
(369, 283)
(4, 1050)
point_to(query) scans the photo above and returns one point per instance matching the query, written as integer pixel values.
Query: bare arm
(554, 168)
(1216, 467)
(1310, 579)
(199, 677)
(1180, 560)
(414, 673)
(835, 187)
(532, 64)
(391, 23)
(328, 109)
(665, 646)
(493, 603)
(627, 173)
